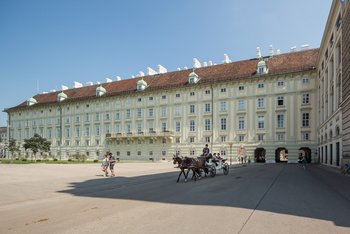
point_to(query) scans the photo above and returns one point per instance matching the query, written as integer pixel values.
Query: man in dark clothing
(111, 160)
(205, 151)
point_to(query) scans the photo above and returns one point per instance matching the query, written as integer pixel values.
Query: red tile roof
(278, 64)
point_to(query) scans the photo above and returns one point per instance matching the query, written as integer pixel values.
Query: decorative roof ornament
(258, 52)
(226, 59)
(271, 51)
(100, 91)
(196, 63)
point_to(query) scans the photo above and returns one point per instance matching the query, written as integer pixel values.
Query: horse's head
(176, 159)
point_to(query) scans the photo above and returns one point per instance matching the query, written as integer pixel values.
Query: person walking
(104, 165)
(111, 161)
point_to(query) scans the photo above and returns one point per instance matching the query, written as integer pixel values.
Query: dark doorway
(281, 155)
(306, 152)
(260, 155)
(337, 154)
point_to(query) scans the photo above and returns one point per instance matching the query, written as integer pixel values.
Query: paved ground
(144, 198)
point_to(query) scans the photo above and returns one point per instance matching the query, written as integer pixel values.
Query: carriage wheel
(226, 168)
(212, 170)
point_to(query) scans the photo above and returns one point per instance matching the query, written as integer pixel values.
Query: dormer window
(61, 97)
(262, 68)
(100, 91)
(31, 101)
(193, 78)
(141, 85)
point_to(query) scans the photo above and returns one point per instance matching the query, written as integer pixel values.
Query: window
(260, 85)
(261, 103)
(164, 111)
(223, 124)
(139, 127)
(67, 132)
(192, 94)
(241, 105)
(164, 128)
(139, 99)
(223, 138)
(177, 139)
(261, 137)
(139, 153)
(97, 116)
(192, 109)
(150, 98)
(97, 142)
(223, 90)
(241, 88)
(280, 136)
(280, 121)
(241, 123)
(207, 108)
(139, 112)
(128, 113)
(305, 136)
(163, 97)
(177, 126)
(280, 101)
(87, 142)
(305, 120)
(192, 125)
(261, 122)
(97, 130)
(150, 112)
(77, 132)
(305, 98)
(191, 139)
(177, 95)
(150, 141)
(280, 83)
(192, 152)
(128, 128)
(87, 131)
(87, 117)
(107, 116)
(207, 125)
(128, 153)
(241, 138)
(223, 106)
(207, 91)
(177, 111)
(207, 139)
(117, 114)
(306, 80)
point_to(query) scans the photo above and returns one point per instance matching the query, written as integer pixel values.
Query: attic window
(100, 91)
(193, 78)
(141, 85)
(262, 68)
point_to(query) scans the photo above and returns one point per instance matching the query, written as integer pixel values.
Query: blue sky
(48, 43)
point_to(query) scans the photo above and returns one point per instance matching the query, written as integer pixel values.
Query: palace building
(263, 109)
(334, 87)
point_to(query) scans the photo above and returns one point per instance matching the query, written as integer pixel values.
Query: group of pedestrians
(108, 163)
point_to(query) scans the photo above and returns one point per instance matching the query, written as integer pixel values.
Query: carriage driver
(205, 151)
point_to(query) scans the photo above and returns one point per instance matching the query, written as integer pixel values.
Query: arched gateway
(305, 152)
(260, 155)
(281, 155)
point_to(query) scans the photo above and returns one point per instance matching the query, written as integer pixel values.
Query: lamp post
(231, 143)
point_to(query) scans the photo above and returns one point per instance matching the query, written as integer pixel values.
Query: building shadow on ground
(278, 188)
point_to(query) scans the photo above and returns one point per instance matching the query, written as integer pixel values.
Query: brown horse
(183, 164)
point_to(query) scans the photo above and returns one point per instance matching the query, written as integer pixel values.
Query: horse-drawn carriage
(207, 165)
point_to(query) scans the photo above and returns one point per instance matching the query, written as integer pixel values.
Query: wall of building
(346, 81)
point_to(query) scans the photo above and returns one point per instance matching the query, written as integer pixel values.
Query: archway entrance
(281, 155)
(260, 155)
(305, 152)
